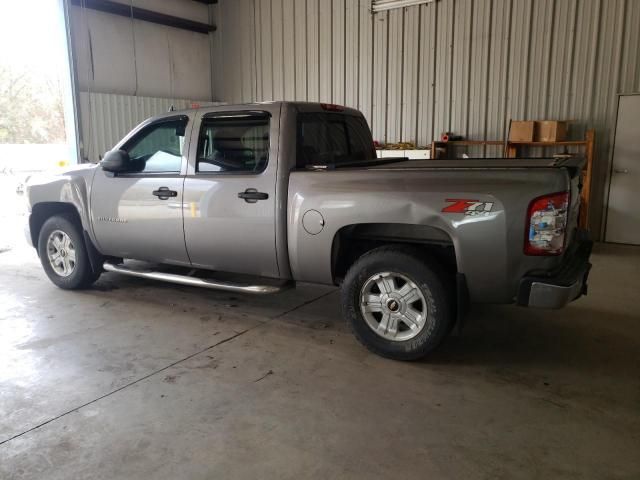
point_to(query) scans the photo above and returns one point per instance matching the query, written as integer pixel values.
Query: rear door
(229, 192)
(138, 214)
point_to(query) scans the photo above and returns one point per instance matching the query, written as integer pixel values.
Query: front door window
(158, 148)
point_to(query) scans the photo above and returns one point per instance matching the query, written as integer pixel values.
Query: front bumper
(556, 288)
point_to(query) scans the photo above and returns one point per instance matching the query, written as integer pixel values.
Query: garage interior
(134, 379)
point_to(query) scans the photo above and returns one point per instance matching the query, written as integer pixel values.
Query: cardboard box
(521, 131)
(550, 131)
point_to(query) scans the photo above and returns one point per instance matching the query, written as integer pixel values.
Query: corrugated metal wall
(466, 66)
(106, 118)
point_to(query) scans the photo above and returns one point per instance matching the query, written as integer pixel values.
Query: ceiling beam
(145, 15)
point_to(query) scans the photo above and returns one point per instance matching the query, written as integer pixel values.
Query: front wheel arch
(41, 212)
(81, 273)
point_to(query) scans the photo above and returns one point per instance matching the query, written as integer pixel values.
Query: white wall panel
(288, 50)
(395, 63)
(561, 59)
(325, 49)
(443, 61)
(409, 67)
(426, 73)
(338, 51)
(300, 49)
(365, 60)
(313, 50)
(461, 60)
(351, 48)
(115, 54)
(380, 77)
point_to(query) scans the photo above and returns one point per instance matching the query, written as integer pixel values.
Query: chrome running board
(199, 282)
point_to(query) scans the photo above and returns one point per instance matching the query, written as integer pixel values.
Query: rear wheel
(397, 303)
(63, 254)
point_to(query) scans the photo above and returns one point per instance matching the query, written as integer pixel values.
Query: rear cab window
(332, 138)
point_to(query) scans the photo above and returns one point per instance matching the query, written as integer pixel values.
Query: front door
(229, 212)
(138, 214)
(623, 215)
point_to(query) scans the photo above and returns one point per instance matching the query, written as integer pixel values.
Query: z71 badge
(467, 207)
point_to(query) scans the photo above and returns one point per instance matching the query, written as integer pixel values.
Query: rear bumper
(556, 288)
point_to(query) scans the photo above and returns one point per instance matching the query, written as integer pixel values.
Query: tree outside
(32, 69)
(31, 106)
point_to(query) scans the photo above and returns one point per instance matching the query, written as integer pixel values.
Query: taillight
(547, 224)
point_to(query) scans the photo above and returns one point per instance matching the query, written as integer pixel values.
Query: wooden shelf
(550, 144)
(462, 143)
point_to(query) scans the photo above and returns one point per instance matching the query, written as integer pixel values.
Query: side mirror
(115, 161)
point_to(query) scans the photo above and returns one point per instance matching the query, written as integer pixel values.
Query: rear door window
(332, 138)
(233, 144)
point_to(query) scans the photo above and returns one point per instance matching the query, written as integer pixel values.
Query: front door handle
(251, 195)
(620, 170)
(163, 193)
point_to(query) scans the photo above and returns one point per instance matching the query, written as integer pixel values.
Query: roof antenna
(172, 108)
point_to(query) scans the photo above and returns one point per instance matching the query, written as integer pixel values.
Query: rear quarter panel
(489, 247)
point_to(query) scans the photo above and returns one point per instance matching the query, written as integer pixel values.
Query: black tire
(82, 275)
(426, 275)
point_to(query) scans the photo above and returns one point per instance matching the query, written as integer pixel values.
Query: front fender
(71, 188)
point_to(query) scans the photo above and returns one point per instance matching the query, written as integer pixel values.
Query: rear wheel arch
(352, 241)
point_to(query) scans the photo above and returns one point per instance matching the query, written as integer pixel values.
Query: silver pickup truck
(285, 192)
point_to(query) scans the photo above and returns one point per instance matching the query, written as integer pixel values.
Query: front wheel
(63, 254)
(396, 303)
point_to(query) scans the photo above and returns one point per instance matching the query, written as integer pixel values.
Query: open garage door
(37, 130)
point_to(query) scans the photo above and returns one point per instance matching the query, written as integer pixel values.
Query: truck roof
(300, 106)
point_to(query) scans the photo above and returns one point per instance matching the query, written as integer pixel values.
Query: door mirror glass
(115, 161)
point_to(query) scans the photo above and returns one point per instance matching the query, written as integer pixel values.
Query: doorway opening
(37, 127)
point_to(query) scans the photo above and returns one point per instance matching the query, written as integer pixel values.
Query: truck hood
(53, 175)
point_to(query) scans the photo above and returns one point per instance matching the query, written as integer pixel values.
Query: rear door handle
(251, 195)
(163, 193)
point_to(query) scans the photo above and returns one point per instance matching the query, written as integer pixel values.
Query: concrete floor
(147, 380)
